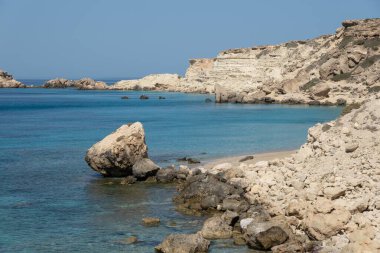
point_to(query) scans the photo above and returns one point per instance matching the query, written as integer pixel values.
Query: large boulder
(216, 228)
(118, 152)
(264, 236)
(184, 243)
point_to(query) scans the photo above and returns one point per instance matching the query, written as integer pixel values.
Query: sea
(51, 201)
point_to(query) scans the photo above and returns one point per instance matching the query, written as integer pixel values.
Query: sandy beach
(235, 160)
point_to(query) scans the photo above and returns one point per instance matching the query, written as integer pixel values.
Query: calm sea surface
(50, 201)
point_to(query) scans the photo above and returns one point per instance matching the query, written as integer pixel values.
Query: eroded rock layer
(332, 69)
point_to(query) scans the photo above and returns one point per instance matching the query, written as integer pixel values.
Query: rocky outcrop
(82, 84)
(90, 84)
(122, 153)
(184, 243)
(327, 192)
(151, 82)
(326, 70)
(59, 83)
(7, 81)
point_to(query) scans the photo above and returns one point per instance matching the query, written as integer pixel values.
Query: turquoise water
(50, 201)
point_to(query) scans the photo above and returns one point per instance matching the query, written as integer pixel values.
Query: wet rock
(128, 180)
(204, 188)
(208, 100)
(151, 221)
(116, 154)
(183, 243)
(130, 240)
(166, 175)
(216, 228)
(144, 97)
(161, 97)
(124, 97)
(189, 160)
(144, 168)
(263, 236)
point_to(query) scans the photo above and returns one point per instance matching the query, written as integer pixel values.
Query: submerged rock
(151, 221)
(144, 97)
(116, 154)
(184, 243)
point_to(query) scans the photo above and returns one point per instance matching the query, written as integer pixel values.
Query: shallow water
(50, 201)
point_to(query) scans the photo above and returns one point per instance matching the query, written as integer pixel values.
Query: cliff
(331, 69)
(7, 81)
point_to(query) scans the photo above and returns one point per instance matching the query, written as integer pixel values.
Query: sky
(125, 38)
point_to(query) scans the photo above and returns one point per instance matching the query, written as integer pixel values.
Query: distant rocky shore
(324, 198)
(337, 69)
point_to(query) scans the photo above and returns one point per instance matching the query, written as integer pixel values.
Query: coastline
(257, 157)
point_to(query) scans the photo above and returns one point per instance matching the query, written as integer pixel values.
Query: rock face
(323, 70)
(122, 153)
(7, 81)
(183, 243)
(328, 191)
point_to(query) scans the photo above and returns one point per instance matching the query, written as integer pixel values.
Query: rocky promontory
(7, 81)
(342, 68)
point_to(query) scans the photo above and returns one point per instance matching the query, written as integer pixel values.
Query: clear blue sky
(125, 38)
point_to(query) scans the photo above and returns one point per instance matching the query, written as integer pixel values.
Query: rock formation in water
(7, 81)
(325, 197)
(82, 84)
(122, 153)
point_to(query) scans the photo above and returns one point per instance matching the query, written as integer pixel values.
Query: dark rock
(204, 191)
(161, 97)
(314, 102)
(124, 97)
(166, 175)
(144, 168)
(144, 97)
(264, 236)
(183, 243)
(269, 100)
(189, 160)
(249, 157)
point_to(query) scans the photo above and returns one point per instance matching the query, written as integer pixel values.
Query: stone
(321, 226)
(124, 97)
(246, 158)
(230, 217)
(130, 240)
(128, 180)
(245, 222)
(216, 228)
(351, 147)
(59, 83)
(144, 168)
(166, 175)
(144, 97)
(184, 243)
(90, 84)
(116, 154)
(264, 236)
(151, 221)
(161, 97)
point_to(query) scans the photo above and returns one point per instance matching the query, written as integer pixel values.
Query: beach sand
(235, 160)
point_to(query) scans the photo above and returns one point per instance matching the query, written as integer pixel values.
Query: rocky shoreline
(323, 198)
